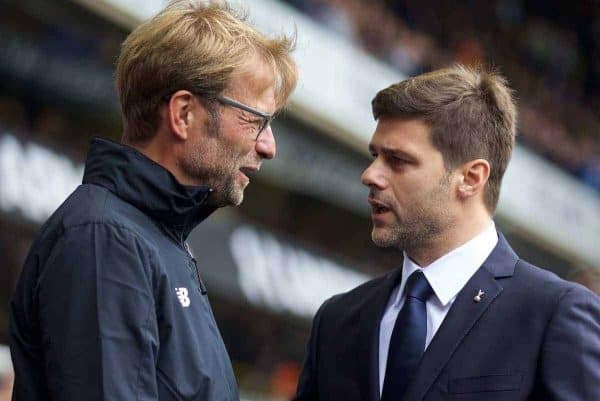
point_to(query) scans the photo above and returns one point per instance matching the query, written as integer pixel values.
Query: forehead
(402, 134)
(254, 84)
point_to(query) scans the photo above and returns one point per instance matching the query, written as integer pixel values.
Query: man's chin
(229, 196)
(382, 238)
(236, 195)
(237, 201)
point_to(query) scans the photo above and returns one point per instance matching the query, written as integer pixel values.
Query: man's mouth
(378, 207)
(249, 171)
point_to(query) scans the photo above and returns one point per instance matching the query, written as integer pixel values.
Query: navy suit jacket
(533, 336)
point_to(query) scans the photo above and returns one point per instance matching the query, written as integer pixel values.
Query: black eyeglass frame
(226, 101)
(267, 118)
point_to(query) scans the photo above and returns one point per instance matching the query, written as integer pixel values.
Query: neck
(161, 153)
(452, 238)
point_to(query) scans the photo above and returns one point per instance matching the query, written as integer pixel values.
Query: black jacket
(109, 305)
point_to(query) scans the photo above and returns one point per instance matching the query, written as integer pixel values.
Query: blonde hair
(471, 114)
(196, 46)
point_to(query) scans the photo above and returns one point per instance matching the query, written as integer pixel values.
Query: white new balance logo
(182, 295)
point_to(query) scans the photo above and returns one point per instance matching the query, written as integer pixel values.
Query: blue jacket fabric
(531, 337)
(110, 305)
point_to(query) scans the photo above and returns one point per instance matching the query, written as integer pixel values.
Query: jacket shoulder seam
(132, 232)
(562, 296)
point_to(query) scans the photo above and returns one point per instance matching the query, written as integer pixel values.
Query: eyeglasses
(265, 117)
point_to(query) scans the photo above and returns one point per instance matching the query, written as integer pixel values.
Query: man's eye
(255, 122)
(399, 160)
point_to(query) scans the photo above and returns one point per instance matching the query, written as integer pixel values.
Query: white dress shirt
(447, 276)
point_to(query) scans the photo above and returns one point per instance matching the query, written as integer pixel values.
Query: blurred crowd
(550, 53)
(56, 76)
(51, 127)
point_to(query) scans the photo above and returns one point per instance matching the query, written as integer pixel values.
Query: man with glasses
(110, 304)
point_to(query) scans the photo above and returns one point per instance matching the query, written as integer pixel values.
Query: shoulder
(95, 204)
(357, 298)
(543, 289)
(89, 220)
(529, 277)
(92, 210)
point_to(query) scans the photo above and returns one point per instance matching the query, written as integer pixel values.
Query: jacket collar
(146, 185)
(503, 259)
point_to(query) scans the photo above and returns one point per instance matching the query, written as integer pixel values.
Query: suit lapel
(369, 341)
(462, 317)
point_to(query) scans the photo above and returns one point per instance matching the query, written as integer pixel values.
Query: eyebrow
(392, 152)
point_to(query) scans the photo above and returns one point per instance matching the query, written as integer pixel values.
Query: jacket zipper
(200, 282)
(184, 246)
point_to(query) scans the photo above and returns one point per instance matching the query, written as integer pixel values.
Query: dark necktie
(407, 343)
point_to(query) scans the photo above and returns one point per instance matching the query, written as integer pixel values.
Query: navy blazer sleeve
(95, 318)
(569, 367)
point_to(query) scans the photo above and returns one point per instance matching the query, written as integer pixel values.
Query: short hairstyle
(197, 46)
(471, 114)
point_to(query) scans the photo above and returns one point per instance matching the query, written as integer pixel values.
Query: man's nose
(265, 144)
(373, 177)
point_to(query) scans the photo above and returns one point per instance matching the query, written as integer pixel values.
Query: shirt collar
(449, 274)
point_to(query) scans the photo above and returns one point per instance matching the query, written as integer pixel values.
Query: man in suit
(463, 318)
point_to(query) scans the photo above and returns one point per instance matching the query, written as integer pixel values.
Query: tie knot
(418, 287)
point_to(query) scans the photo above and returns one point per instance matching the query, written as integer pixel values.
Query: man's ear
(475, 175)
(180, 113)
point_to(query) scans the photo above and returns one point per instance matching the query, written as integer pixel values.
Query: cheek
(407, 189)
(239, 142)
(230, 152)
(240, 154)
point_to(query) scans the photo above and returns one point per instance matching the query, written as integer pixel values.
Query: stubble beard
(216, 168)
(422, 222)
(215, 164)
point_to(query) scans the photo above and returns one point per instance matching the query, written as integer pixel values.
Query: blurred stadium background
(303, 232)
